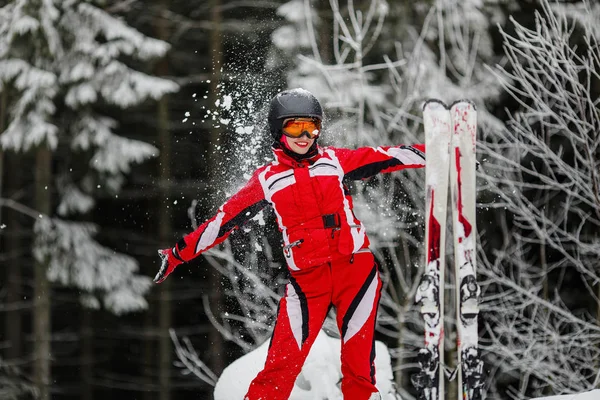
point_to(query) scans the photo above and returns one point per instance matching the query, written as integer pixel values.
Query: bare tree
(542, 297)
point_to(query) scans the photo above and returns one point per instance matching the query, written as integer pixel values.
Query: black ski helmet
(292, 103)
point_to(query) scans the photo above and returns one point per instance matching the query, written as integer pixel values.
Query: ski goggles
(296, 127)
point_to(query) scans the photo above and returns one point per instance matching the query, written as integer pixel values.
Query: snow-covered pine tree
(59, 59)
(75, 64)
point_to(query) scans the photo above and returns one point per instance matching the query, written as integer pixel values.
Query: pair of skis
(450, 136)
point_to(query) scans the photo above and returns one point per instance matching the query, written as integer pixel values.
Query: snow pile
(593, 395)
(319, 378)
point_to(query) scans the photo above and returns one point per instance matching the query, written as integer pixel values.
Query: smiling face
(299, 145)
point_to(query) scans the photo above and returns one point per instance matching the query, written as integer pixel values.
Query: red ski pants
(353, 287)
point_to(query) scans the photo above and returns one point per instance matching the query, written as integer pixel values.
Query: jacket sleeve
(368, 161)
(235, 212)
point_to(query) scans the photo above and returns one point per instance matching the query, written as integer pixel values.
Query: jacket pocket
(308, 247)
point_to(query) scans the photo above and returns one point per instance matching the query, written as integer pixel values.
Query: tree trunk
(215, 340)
(165, 234)
(13, 323)
(3, 105)
(12, 249)
(325, 32)
(216, 52)
(41, 311)
(87, 354)
(165, 230)
(148, 351)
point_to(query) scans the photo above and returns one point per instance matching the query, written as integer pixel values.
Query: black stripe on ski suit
(356, 301)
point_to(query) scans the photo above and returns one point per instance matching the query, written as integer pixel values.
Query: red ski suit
(326, 249)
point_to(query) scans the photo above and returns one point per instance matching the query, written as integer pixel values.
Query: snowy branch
(190, 361)
(543, 173)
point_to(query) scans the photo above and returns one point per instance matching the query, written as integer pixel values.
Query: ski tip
(433, 103)
(464, 101)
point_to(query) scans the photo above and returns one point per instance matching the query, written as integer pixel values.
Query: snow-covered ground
(321, 374)
(319, 378)
(593, 395)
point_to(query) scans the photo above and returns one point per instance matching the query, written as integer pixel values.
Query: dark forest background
(225, 47)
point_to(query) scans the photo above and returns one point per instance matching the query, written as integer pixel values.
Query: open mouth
(302, 144)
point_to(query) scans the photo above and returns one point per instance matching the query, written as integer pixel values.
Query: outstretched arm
(241, 207)
(368, 161)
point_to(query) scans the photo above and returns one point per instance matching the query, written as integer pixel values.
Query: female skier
(325, 245)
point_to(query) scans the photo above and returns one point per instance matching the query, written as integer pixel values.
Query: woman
(325, 245)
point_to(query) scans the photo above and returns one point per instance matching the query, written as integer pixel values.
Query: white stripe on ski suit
(278, 182)
(323, 167)
(282, 184)
(407, 157)
(211, 232)
(357, 231)
(294, 312)
(363, 311)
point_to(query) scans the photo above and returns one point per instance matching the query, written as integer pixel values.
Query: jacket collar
(287, 157)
